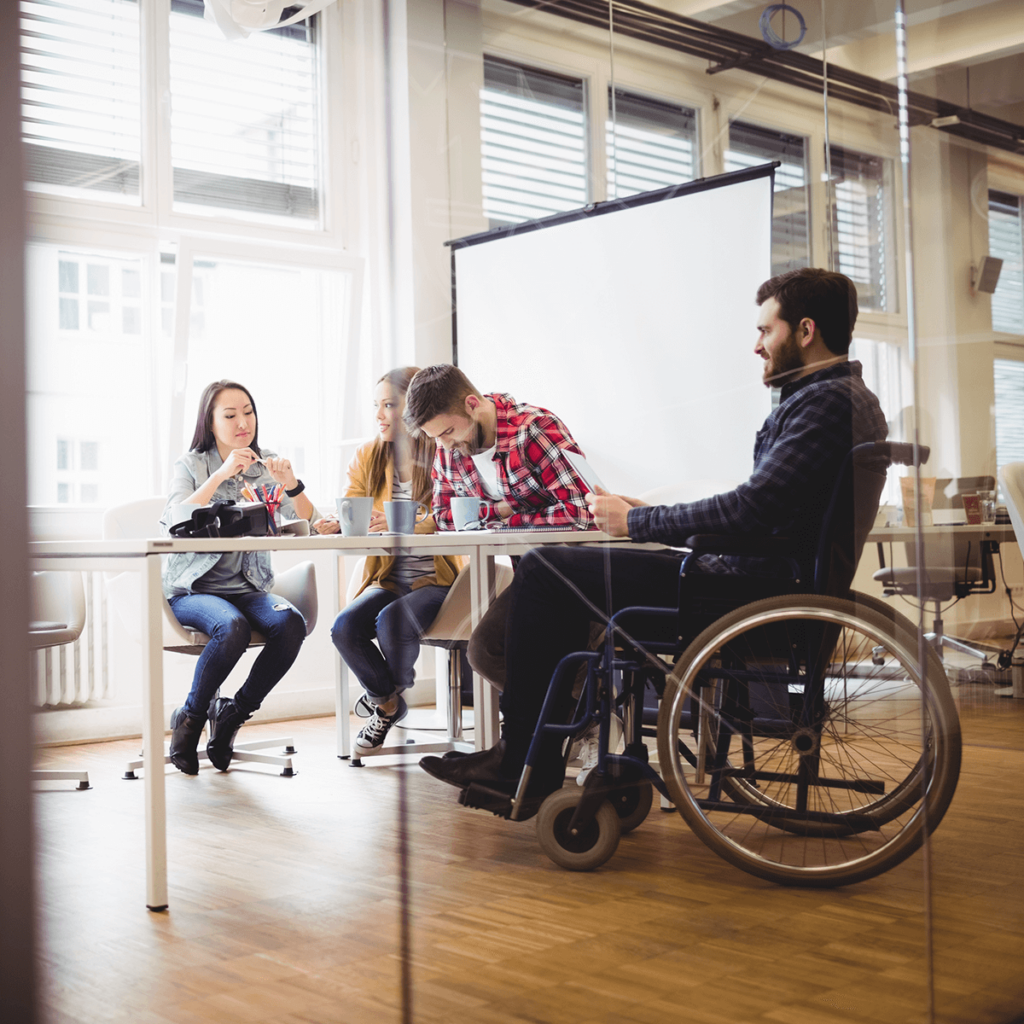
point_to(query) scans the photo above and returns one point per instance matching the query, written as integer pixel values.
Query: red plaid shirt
(533, 475)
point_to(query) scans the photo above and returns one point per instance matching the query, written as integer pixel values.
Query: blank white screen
(636, 327)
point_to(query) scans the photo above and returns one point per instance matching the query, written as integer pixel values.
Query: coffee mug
(402, 517)
(466, 513)
(354, 516)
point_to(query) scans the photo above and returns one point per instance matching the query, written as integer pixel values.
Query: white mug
(466, 512)
(354, 516)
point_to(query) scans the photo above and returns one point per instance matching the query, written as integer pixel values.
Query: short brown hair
(827, 298)
(434, 391)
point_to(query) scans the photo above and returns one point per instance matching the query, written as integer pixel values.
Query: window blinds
(533, 142)
(862, 222)
(1005, 240)
(649, 144)
(81, 94)
(750, 145)
(244, 117)
(1009, 387)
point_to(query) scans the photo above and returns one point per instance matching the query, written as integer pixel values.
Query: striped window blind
(244, 117)
(750, 145)
(1006, 240)
(1009, 386)
(862, 220)
(533, 142)
(649, 144)
(81, 95)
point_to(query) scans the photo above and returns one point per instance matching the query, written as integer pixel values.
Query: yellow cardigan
(377, 569)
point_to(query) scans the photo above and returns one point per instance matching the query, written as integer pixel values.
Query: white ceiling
(948, 42)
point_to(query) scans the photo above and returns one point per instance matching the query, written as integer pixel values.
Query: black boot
(185, 733)
(226, 718)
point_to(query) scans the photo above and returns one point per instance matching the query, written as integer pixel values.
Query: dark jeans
(397, 621)
(555, 594)
(229, 622)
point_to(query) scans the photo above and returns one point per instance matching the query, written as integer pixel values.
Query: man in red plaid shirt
(495, 448)
(508, 453)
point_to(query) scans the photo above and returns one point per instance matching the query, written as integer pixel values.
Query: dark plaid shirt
(534, 476)
(797, 456)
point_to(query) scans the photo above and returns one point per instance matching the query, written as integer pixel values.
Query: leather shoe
(185, 732)
(226, 718)
(482, 766)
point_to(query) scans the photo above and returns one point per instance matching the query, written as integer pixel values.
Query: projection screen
(633, 321)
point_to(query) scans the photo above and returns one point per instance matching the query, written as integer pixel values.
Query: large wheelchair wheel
(799, 739)
(580, 849)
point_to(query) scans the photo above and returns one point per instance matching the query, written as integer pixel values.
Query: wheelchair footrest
(484, 798)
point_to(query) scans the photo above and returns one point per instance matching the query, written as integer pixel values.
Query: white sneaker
(589, 743)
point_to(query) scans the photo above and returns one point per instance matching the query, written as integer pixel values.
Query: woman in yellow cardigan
(398, 598)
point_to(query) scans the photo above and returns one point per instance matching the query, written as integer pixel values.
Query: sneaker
(589, 743)
(372, 735)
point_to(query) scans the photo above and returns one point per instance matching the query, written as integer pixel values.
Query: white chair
(58, 617)
(140, 520)
(1011, 478)
(450, 631)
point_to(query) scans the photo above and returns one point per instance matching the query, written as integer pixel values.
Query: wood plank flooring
(285, 907)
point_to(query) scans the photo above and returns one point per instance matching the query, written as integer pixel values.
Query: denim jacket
(190, 472)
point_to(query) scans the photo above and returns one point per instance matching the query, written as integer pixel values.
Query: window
(533, 142)
(244, 131)
(863, 226)
(89, 375)
(749, 146)
(1009, 387)
(244, 118)
(296, 319)
(81, 96)
(1006, 241)
(649, 144)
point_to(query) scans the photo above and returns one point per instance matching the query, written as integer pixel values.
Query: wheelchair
(808, 737)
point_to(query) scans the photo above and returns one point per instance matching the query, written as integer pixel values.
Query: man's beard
(780, 367)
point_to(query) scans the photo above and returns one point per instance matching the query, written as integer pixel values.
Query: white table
(999, 533)
(144, 556)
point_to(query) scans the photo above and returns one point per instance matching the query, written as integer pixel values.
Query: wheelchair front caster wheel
(632, 804)
(585, 848)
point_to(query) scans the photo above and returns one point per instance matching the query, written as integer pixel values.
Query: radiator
(79, 672)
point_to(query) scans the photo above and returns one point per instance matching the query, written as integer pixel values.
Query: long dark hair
(203, 439)
(423, 447)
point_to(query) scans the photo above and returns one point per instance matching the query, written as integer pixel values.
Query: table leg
(485, 697)
(341, 700)
(153, 735)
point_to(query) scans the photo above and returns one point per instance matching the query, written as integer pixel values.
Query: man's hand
(610, 511)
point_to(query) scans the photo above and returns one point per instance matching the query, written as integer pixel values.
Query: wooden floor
(285, 907)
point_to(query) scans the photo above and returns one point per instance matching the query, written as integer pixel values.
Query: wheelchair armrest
(741, 544)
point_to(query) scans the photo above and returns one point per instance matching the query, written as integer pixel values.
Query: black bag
(225, 519)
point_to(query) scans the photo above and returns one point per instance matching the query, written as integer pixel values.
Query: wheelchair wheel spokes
(815, 776)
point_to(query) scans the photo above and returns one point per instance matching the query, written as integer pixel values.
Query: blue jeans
(229, 622)
(397, 621)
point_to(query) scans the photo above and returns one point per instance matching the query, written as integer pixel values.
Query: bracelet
(296, 490)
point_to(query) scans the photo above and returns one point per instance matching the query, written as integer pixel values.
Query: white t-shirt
(488, 471)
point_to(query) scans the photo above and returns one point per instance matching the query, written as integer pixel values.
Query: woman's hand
(237, 462)
(281, 470)
(378, 522)
(327, 526)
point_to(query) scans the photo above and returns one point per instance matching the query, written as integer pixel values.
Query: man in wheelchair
(804, 329)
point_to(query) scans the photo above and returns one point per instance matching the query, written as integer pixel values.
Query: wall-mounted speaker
(986, 274)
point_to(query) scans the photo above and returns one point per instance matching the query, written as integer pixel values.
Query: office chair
(58, 617)
(947, 574)
(1011, 479)
(140, 520)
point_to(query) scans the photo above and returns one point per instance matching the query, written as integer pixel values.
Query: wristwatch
(296, 490)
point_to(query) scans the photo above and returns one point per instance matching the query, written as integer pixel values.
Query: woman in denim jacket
(227, 596)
